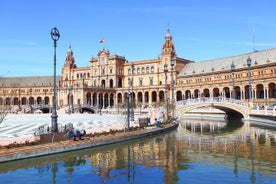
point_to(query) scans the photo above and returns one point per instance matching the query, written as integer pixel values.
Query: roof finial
(168, 34)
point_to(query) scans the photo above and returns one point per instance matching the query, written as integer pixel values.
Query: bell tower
(168, 48)
(68, 65)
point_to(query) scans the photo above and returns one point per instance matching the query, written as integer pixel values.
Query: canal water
(199, 151)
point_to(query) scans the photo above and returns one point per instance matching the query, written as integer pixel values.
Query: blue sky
(201, 30)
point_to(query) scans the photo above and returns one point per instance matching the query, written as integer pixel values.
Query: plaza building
(110, 80)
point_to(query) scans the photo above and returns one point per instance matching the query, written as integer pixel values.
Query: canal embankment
(18, 153)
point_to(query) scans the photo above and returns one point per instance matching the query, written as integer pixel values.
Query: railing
(211, 100)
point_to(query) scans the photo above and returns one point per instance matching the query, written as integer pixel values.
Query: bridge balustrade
(210, 100)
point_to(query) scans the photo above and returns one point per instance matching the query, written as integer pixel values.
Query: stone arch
(39, 100)
(161, 96)
(119, 98)
(226, 92)
(153, 96)
(232, 111)
(31, 100)
(146, 97)
(24, 101)
(94, 97)
(237, 92)
(120, 83)
(216, 92)
(206, 92)
(260, 91)
(272, 90)
(197, 93)
(103, 83)
(46, 100)
(111, 83)
(179, 96)
(140, 97)
(111, 100)
(88, 98)
(188, 94)
(105, 100)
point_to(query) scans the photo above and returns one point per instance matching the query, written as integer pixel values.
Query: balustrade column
(91, 102)
(98, 100)
(267, 93)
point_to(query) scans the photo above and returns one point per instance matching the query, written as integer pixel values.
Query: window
(140, 81)
(138, 70)
(143, 70)
(151, 80)
(152, 69)
(147, 69)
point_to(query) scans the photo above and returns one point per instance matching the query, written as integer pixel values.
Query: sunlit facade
(105, 82)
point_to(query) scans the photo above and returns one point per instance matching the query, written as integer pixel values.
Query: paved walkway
(70, 145)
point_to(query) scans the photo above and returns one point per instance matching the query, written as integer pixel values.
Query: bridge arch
(234, 109)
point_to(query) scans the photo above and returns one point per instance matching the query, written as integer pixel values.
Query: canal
(199, 151)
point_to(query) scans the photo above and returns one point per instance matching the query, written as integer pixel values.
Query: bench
(143, 122)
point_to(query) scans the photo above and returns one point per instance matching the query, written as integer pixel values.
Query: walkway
(70, 145)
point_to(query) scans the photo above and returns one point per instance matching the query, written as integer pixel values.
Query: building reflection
(230, 143)
(238, 145)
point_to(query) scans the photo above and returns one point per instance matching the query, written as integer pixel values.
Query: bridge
(232, 107)
(68, 109)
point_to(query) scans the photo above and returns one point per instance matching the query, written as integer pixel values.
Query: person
(157, 122)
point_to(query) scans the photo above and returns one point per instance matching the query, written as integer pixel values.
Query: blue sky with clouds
(201, 30)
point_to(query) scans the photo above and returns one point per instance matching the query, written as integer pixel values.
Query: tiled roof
(28, 81)
(240, 61)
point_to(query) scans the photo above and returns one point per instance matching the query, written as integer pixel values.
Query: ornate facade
(106, 82)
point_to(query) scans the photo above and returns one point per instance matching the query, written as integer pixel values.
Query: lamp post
(166, 87)
(128, 113)
(172, 84)
(249, 80)
(19, 101)
(44, 101)
(132, 97)
(233, 81)
(30, 101)
(55, 36)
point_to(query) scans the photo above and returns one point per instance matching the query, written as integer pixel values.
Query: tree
(4, 109)
(5, 104)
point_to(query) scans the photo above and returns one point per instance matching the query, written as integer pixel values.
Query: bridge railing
(193, 101)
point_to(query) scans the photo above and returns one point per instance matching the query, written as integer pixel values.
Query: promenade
(23, 152)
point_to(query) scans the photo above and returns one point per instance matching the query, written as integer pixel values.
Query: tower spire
(168, 46)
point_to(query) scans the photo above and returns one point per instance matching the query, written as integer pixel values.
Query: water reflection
(199, 150)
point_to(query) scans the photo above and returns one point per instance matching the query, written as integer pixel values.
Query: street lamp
(128, 114)
(132, 97)
(44, 101)
(172, 84)
(55, 36)
(249, 80)
(233, 81)
(166, 87)
(19, 101)
(30, 101)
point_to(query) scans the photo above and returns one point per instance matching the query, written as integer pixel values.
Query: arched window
(147, 69)
(152, 69)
